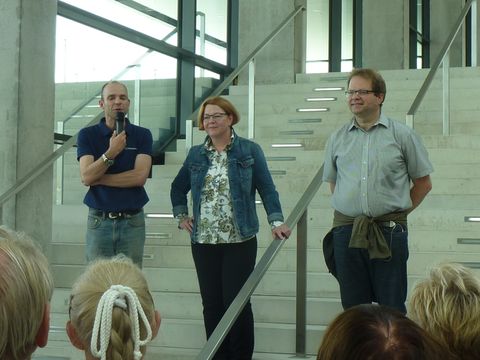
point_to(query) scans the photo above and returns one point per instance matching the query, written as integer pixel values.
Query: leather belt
(116, 214)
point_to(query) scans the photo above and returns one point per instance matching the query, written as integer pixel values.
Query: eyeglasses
(361, 92)
(216, 116)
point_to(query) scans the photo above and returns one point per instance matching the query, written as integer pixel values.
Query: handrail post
(188, 135)
(474, 25)
(203, 20)
(251, 99)
(440, 57)
(446, 94)
(59, 169)
(136, 109)
(301, 303)
(259, 271)
(410, 118)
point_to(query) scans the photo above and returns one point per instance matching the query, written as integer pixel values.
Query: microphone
(119, 121)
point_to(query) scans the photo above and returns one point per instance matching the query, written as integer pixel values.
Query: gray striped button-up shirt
(372, 169)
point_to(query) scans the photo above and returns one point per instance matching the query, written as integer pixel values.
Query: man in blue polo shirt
(115, 167)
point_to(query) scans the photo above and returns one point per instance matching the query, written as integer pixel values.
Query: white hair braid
(118, 295)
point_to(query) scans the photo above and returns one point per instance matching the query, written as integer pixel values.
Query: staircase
(438, 230)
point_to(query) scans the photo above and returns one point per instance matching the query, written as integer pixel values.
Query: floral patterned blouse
(216, 225)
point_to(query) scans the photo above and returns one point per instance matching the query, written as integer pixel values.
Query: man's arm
(332, 187)
(91, 171)
(421, 187)
(131, 178)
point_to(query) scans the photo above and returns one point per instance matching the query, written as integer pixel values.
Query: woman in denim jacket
(223, 175)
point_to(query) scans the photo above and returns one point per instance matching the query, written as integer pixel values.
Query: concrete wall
(277, 63)
(386, 30)
(444, 14)
(385, 45)
(27, 56)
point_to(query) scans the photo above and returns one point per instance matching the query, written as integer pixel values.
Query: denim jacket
(247, 173)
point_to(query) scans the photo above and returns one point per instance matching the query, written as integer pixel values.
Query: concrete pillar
(477, 34)
(27, 55)
(385, 40)
(300, 39)
(443, 15)
(257, 19)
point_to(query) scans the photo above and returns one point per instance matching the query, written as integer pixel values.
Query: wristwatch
(107, 161)
(275, 224)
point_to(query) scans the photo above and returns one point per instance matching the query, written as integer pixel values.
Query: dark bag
(327, 244)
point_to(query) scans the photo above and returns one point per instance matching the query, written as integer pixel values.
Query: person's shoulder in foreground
(447, 305)
(26, 287)
(377, 332)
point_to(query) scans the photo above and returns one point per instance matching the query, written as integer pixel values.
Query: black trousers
(222, 269)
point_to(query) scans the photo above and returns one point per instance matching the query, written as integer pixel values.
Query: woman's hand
(187, 224)
(281, 232)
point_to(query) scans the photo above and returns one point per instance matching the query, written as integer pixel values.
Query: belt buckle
(114, 215)
(390, 224)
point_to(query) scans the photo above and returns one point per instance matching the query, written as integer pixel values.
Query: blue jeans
(109, 237)
(364, 281)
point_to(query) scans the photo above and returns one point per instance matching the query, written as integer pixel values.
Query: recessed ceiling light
(312, 109)
(287, 145)
(321, 99)
(159, 216)
(328, 88)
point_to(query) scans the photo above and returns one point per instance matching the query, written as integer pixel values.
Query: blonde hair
(447, 305)
(26, 287)
(226, 105)
(88, 291)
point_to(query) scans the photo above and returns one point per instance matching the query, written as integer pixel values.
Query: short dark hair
(378, 83)
(378, 332)
(113, 82)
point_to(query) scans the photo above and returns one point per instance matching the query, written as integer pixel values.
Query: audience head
(112, 314)
(26, 288)
(226, 105)
(375, 332)
(447, 305)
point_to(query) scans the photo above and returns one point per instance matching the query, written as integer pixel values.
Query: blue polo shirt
(94, 140)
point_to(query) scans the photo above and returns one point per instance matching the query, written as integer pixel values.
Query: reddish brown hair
(226, 105)
(378, 83)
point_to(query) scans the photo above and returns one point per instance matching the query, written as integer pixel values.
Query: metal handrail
(229, 79)
(116, 77)
(262, 266)
(17, 187)
(433, 70)
(293, 219)
(49, 160)
(40, 168)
